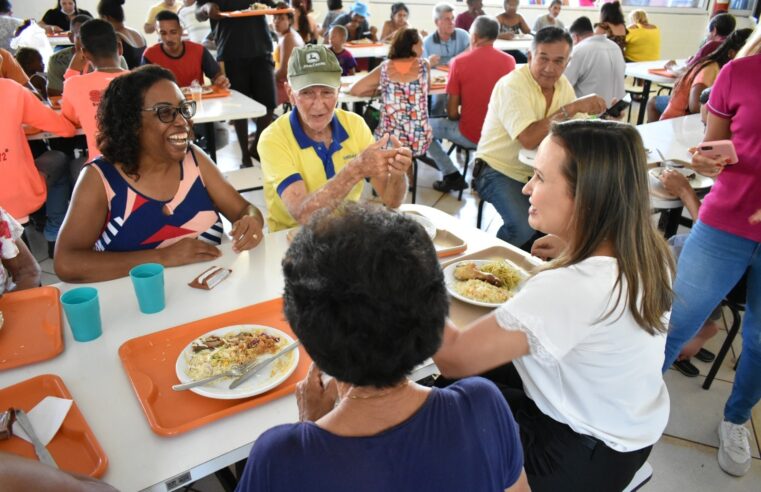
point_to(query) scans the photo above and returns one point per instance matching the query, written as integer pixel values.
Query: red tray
(254, 13)
(150, 365)
(74, 447)
(32, 329)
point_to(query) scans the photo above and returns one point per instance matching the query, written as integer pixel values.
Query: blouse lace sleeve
(529, 325)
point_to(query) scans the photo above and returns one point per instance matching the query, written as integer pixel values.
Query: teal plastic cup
(148, 280)
(83, 312)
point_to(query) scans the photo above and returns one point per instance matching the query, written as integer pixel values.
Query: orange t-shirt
(81, 97)
(11, 68)
(679, 105)
(22, 189)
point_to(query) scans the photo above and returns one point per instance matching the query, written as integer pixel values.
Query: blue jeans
(661, 102)
(506, 196)
(444, 128)
(710, 265)
(54, 165)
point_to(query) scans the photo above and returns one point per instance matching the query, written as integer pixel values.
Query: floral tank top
(404, 109)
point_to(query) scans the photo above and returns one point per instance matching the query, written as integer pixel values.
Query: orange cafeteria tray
(218, 92)
(32, 328)
(150, 365)
(662, 72)
(253, 13)
(443, 68)
(438, 86)
(74, 448)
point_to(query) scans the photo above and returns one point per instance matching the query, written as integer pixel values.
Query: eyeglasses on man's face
(167, 113)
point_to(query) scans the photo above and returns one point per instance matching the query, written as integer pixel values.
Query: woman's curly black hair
(365, 294)
(120, 115)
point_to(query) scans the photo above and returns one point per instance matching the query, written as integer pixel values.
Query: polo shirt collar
(338, 133)
(437, 38)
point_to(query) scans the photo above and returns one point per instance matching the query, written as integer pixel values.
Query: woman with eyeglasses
(153, 196)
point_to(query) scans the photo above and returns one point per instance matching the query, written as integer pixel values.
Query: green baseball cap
(314, 64)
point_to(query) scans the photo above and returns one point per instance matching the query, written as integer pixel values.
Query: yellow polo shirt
(288, 155)
(153, 11)
(516, 102)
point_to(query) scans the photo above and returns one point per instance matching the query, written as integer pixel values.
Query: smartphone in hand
(723, 150)
(615, 110)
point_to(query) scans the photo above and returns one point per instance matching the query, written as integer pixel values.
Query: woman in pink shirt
(26, 182)
(725, 245)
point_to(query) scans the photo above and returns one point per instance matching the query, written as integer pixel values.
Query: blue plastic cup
(83, 312)
(148, 280)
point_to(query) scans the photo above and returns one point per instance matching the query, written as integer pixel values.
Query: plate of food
(219, 350)
(486, 283)
(697, 181)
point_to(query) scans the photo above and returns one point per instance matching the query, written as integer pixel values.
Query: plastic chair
(467, 161)
(735, 301)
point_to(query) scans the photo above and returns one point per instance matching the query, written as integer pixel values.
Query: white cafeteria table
(641, 70)
(138, 458)
(236, 106)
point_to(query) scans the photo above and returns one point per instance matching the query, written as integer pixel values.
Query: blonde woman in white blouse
(585, 335)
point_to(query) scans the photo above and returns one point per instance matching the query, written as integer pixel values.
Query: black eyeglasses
(166, 113)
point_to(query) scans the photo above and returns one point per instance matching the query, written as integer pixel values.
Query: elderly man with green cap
(317, 156)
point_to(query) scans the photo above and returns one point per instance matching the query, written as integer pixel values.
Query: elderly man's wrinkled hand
(314, 399)
(590, 104)
(706, 166)
(401, 160)
(373, 162)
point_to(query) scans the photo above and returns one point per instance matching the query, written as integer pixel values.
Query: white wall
(681, 32)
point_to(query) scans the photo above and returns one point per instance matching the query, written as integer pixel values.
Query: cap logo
(312, 57)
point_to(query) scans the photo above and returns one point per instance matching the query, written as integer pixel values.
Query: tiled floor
(684, 458)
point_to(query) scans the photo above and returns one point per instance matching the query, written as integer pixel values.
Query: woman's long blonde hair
(606, 170)
(638, 16)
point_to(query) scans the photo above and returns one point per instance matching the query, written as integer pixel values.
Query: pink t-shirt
(472, 76)
(81, 97)
(22, 189)
(737, 192)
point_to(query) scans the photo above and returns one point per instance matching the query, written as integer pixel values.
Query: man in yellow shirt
(317, 156)
(150, 22)
(523, 104)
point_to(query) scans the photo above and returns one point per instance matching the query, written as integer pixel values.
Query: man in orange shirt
(25, 181)
(82, 93)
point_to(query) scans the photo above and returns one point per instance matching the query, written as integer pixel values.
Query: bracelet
(252, 211)
(565, 113)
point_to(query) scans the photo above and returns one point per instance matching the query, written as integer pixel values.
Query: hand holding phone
(720, 150)
(615, 110)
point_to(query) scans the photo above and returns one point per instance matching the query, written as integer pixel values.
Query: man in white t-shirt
(597, 65)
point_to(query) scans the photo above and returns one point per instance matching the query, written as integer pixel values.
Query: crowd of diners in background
(499, 418)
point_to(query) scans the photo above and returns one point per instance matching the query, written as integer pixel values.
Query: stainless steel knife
(42, 452)
(257, 366)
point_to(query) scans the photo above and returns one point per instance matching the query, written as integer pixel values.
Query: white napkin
(46, 418)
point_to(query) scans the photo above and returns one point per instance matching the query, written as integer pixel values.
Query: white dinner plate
(430, 229)
(258, 384)
(699, 182)
(450, 281)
